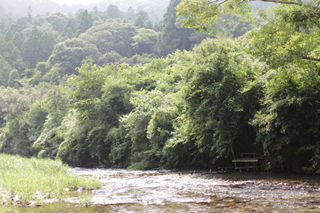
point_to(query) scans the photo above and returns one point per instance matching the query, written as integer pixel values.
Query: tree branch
(223, 2)
(271, 1)
(311, 59)
(279, 2)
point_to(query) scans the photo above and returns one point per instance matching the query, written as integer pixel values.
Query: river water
(167, 191)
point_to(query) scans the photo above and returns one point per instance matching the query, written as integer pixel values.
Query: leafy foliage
(70, 54)
(113, 35)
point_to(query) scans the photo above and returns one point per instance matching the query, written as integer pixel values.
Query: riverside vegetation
(24, 181)
(114, 89)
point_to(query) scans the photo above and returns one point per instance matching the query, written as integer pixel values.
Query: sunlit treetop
(202, 14)
(289, 33)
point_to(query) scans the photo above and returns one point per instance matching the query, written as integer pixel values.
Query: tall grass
(23, 180)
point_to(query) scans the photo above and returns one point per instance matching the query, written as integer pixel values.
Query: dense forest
(194, 89)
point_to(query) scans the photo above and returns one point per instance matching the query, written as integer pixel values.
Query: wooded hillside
(115, 88)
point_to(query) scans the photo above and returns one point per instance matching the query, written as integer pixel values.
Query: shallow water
(166, 191)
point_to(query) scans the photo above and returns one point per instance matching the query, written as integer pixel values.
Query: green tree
(16, 137)
(219, 104)
(149, 25)
(18, 40)
(144, 15)
(70, 28)
(16, 59)
(30, 11)
(139, 23)
(109, 57)
(283, 125)
(130, 15)
(145, 41)
(37, 47)
(173, 37)
(13, 78)
(68, 55)
(295, 40)
(53, 76)
(8, 35)
(288, 121)
(85, 21)
(148, 126)
(58, 21)
(97, 106)
(5, 70)
(113, 12)
(113, 35)
(55, 105)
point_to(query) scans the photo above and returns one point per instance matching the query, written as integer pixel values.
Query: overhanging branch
(271, 1)
(311, 59)
(280, 2)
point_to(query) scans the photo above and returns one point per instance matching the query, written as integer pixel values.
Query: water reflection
(166, 191)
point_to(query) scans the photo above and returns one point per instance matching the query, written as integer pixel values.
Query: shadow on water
(166, 191)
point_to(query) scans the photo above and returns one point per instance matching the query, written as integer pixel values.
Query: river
(167, 191)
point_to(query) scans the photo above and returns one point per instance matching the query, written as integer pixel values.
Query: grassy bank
(23, 180)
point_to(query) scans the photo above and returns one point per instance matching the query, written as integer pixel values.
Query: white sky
(70, 2)
(83, 2)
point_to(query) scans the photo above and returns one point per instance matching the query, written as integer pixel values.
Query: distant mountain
(19, 8)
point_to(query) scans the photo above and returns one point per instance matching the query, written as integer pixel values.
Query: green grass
(23, 180)
(143, 165)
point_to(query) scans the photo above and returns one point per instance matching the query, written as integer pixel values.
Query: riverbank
(185, 191)
(25, 181)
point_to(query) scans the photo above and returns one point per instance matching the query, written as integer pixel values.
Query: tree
(85, 21)
(149, 25)
(30, 11)
(5, 69)
(16, 59)
(18, 40)
(218, 104)
(288, 120)
(70, 28)
(109, 57)
(68, 55)
(287, 125)
(149, 124)
(173, 37)
(8, 35)
(131, 16)
(113, 12)
(53, 76)
(112, 35)
(58, 20)
(13, 77)
(145, 41)
(37, 47)
(15, 134)
(296, 36)
(98, 100)
(144, 15)
(139, 23)
(287, 42)
(55, 106)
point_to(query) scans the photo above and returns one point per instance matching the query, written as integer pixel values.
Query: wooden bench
(248, 159)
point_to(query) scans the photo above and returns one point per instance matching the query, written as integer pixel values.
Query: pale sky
(70, 2)
(83, 2)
